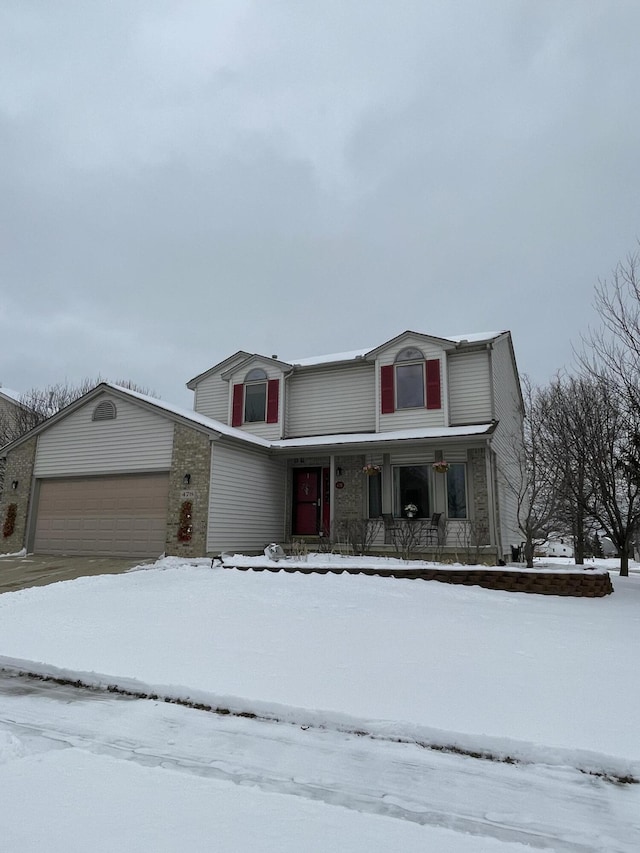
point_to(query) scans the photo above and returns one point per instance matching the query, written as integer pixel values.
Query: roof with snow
(11, 395)
(352, 355)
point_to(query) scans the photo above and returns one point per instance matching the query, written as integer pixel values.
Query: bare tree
(614, 349)
(532, 480)
(614, 446)
(567, 445)
(612, 356)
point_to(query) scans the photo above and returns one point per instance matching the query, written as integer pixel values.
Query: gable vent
(105, 411)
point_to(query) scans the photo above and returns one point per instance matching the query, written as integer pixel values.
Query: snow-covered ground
(318, 658)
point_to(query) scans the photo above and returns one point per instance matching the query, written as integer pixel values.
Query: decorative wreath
(10, 520)
(185, 528)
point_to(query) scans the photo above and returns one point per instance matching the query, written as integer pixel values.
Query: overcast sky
(182, 179)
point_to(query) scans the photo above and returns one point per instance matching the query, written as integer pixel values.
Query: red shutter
(237, 415)
(433, 384)
(273, 394)
(387, 397)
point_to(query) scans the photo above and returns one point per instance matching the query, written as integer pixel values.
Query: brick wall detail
(19, 467)
(349, 502)
(191, 455)
(478, 473)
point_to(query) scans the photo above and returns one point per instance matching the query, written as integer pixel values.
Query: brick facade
(191, 455)
(349, 502)
(478, 477)
(19, 469)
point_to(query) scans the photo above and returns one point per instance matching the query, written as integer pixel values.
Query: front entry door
(306, 501)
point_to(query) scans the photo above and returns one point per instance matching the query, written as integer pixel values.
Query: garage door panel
(110, 516)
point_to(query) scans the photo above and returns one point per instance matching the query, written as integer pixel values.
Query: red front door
(306, 501)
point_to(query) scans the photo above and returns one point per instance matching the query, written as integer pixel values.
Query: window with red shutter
(273, 396)
(237, 406)
(387, 393)
(434, 400)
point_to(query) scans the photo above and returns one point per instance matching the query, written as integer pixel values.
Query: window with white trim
(457, 490)
(410, 384)
(411, 489)
(255, 396)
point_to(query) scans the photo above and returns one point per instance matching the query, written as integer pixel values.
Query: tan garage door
(104, 516)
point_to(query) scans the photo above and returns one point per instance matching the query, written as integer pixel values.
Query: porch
(413, 501)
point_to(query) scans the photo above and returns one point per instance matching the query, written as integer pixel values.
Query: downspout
(491, 498)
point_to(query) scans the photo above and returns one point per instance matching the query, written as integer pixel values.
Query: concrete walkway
(40, 569)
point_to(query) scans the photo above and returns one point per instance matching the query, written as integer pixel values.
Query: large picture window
(411, 486)
(457, 490)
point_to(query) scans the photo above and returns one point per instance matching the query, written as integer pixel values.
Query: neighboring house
(554, 548)
(275, 450)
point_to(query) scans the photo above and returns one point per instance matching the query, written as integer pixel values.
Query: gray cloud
(180, 180)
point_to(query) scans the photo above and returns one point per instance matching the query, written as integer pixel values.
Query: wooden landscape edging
(583, 584)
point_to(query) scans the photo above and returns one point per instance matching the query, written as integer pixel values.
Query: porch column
(332, 491)
(387, 485)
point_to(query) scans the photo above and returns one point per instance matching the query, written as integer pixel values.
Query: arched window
(255, 375)
(255, 396)
(105, 411)
(410, 354)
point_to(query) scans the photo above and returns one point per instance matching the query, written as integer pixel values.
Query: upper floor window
(255, 396)
(410, 379)
(256, 400)
(411, 382)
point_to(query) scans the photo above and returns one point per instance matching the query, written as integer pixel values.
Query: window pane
(409, 386)
(411, 486)
(375, 495)
(255, 399)
(457, 490)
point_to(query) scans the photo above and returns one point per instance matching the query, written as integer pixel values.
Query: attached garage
(103, 516)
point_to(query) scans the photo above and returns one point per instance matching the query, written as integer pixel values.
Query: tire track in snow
(546, 808)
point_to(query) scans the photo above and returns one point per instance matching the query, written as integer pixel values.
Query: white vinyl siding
(419, 417)
(469, 388)
(505, 440)
(137, 440)
(211, 396)
(246, 507)
(331, 400)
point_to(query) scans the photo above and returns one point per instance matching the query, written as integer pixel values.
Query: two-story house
(278, 448)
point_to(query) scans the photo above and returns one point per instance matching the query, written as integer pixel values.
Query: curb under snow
(486, 747)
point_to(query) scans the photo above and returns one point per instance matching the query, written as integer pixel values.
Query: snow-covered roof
(474, 337)
(195, 417)
(12, 395)
(378, 437)
(327, 359)
(312, 440)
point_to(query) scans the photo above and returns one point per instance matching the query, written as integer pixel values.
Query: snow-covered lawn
(537, 678)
